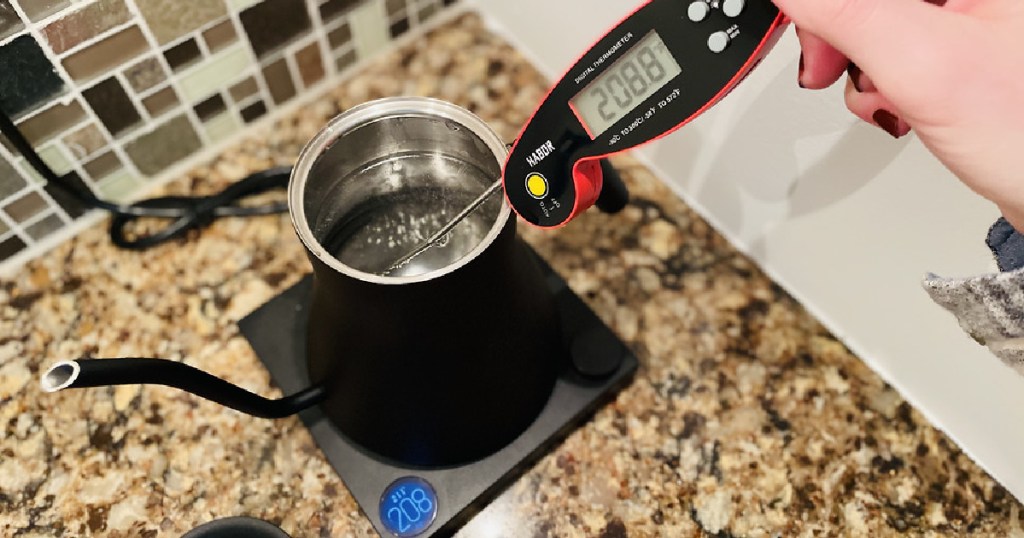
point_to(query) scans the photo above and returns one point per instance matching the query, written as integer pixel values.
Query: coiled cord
(186, 213)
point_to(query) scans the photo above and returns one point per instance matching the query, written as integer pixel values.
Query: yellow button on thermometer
(537, 185)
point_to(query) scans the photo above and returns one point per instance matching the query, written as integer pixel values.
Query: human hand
(952, 73)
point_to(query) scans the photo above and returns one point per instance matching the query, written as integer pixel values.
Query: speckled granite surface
(746, 419)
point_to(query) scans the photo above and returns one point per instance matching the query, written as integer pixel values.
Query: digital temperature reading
(408, 507)
(631, 80)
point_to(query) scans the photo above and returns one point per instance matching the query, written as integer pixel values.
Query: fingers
(884, 37)
(875, 109)
(821, 65)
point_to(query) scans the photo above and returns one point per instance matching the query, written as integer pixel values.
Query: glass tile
(345, 60)
(119, 186)
(145, 74)
(85, 141)
(172, 19)
(206, 79)
(100, 57)
(171, 142)
(427, 12)
(38, 10)
(161, 101)
(399, 27)
(9, 20)
(220, 127)
(45, 227)
(11, 246)
(71, 205)
(28, 79)
(220, 36)
(254, 111)
(370, 29)
(340, 36)
(239, 5)
(183, 54)
(51, 122)
(113, 107)
(311, 64)
(244, 89)
(332, 9)
(210, 107)
(10, 180)
(30, 173)
(103, 165)
(55, 159)
(4, 228)
(272, 24)
(279, 81)
(26, 207)
(86, 23)
(393, 7)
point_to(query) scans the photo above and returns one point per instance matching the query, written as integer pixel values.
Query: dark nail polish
(856, 76)
(800, 74)
(887, 121)
(939, 3)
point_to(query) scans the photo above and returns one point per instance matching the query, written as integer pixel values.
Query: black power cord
(186, 212)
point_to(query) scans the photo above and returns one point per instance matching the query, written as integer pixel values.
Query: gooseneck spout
(84, 373)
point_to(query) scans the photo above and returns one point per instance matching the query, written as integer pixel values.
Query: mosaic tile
(9, 20)
(210, 107)
(86, 23)
(345, 60)
(28, 80)
(103, 165)
(100, 57)
(272, 24)
(244, 89)
(71, 204)
(254, 111)
(10, 247)
(161, 101)
(183, 54)
(51, 122)
(30, 173)
(145, 74)
(279, 81)
(399, 27)
(369, 29)
(239, 5)
(26, 207)
(119, 187)
(206, 79)
(85, 141)
(332, 9)
(4, 228)
(393, 7)
(112, 106)
(38, 10)
(428, 11)
(171, 19)
(220, 36)
(340, 36)
(55, 159)
(168, 144)
(310, 63)
(10, 181)
(44, 227)
(6, 143)
(220, 127)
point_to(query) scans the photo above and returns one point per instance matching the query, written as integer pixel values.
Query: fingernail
(800, 74)
(888, 122)
(855, 75)
(939, 3)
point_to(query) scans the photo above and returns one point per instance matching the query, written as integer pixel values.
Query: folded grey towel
(990, 307)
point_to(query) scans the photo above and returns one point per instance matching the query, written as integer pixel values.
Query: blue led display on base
(408, 506)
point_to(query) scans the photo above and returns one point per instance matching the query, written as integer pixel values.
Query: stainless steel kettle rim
(390, 107)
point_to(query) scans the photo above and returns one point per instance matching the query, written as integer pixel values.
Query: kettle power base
(407, 501)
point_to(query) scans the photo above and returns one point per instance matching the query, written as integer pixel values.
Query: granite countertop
(747, 417)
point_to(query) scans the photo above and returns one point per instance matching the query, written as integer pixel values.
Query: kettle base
(276, 332)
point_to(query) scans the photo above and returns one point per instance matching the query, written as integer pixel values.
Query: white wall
(843, 216)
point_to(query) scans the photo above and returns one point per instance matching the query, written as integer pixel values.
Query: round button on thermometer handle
(718, 41)
(733, 8)
(698, 11)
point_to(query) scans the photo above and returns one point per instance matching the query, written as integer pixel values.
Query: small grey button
(698, 11)
(718, 41)
(733, 8)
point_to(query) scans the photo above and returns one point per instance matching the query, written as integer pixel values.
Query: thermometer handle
(614, 193)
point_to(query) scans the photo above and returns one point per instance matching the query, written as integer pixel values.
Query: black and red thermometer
(656, 71)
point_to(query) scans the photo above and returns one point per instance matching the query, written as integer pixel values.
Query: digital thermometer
(657, 70)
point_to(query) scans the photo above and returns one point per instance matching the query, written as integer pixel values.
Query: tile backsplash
(113, 93)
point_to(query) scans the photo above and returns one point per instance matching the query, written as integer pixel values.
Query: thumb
(891, 39)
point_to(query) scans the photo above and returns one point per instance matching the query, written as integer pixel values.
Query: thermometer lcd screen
(646, 68)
